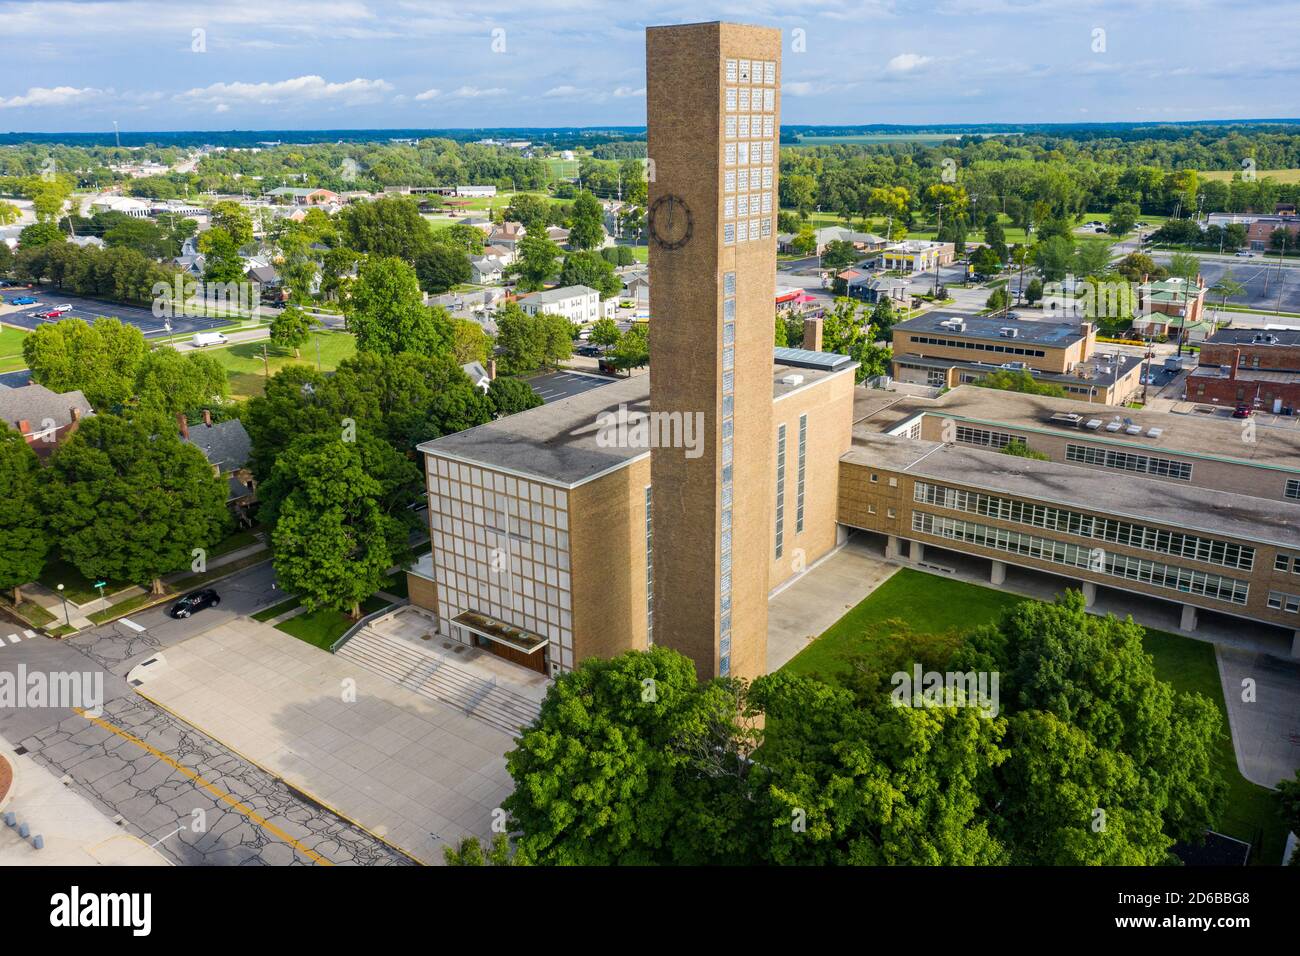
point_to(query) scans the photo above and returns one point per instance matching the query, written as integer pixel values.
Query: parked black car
(194, 602)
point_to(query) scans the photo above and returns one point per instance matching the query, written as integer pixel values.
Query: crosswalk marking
(14, 638)
(29, 633)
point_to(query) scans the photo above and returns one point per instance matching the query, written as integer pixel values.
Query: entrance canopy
(499, 632)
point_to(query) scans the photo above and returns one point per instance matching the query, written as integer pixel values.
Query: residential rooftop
(1143, 500)
(556, 295)
(1274, 440)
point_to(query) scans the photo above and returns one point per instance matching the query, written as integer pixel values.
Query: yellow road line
(216, 791)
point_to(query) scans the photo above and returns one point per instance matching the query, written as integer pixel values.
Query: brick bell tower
(713, 93)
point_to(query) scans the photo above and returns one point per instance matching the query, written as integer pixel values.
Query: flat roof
(1099, 370)
(1142, 500)
(1052, 334)
(1274, 337)
(557, 442)
(1190, 434)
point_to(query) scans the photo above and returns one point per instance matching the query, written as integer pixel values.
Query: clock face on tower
(671, 222)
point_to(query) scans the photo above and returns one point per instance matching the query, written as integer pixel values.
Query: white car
(208, 338)
(1244, 254)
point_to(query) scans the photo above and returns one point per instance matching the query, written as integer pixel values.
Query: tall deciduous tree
(292, 328)
(340, 517)
(588, 222)
(129, 501)
(23, 542)
(387, 312)
(170, 382)
(102, 360)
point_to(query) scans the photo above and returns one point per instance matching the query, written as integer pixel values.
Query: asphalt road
(155, 771)
(91, 309)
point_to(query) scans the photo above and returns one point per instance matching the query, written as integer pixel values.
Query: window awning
(500, 632)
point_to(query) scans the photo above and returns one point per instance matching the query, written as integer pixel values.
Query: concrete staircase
(437, 677)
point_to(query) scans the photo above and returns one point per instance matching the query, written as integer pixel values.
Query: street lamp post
(66, 618)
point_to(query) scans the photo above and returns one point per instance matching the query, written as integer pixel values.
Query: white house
(126, 205)
(486, 271)
(577, 303)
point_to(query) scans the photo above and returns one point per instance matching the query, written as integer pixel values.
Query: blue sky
(77, 65)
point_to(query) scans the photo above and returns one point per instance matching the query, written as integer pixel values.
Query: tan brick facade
(700, 87)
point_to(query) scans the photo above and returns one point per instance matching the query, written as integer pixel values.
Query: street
(200, 803)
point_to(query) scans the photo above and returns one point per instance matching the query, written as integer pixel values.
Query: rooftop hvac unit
(1093, 423)
(1008, 332)
(1155, 432)
(1133, 429)
(792, 380)
(1114, 426)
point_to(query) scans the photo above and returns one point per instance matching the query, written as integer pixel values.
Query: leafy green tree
(468, 240)
(633, 761)
(995, 238)
(171, 382)
(470, 852)
(292, 328)
(587, 230)
(590, 269)
(531, 342)
(997, 300)
(234, 220)
(1017, 448)
(440, 268)
(1227, 288)
(1054, 257)
(511, 395)
(605, 333)
(985, 261)
(6, 259)
(387, 312)
(142, 235)
(872, 785)
(387, 228)
(39, 234)
(781, 336)
(883, 318)
(23, 542)
(127, 500)
(1019, 380)
(838, 254)
(1092, 257)
(340, 518)
(873, 360)
(1123, 217)
(101, 359)
(531, 210)
(633, 348)
(222, 262)
(469, 343)
(805, 242)
(1034, 291)
(537, 262)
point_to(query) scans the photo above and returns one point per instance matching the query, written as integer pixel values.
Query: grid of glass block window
(649, 571)
(1128, 461)
(501, 548)
(780, 489)
(749, 150)
(1077, 556)
(803, 472)
(1176, 543)
(728, 430)
(1293, 488)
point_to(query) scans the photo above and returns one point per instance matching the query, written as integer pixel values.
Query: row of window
(978, 346)
(780, 490)
(741, 205)
(1129, 461)
(1096, 560)
(969, 435)
(1287, 562)
(1209, 550)
(743, 181)
(728, 429)
(1288, 602)
(751, 71)
(746, 231)
(1293, 488)
(649, 570)
(745, 126)
(749, 154)
(803, 471)
(741, 100)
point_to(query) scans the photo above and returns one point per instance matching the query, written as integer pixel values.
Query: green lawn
(11, 349)
(930, 604)
(247, 374)
(275, 610)
(75, 586)
(323, 627)
(1277, 175)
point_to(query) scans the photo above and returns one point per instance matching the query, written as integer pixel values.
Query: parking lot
(25, 316)
(554, 386)
(1261, 276)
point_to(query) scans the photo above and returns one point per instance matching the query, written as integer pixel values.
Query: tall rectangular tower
(712, 109)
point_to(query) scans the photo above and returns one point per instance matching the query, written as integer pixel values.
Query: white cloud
(563, 91)
(906, 62)
(301, 88)
(628, 91)
(428, 95)
(44, 97)
(475, 92)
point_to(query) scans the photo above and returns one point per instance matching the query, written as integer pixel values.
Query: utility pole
(938, 230)
(1280, 283)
